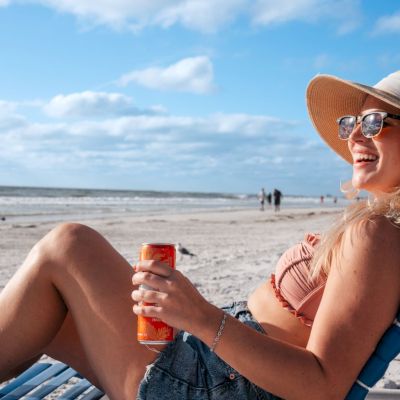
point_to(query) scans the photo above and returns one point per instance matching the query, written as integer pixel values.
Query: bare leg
(67, 347)
(71, 298)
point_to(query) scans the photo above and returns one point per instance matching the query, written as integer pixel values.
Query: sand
(235, 250)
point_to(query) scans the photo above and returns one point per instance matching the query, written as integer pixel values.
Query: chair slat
(52, 384)
(34, 370)
(76, 390)
(93, 394)
(34, 382)
(44, 378)
(386, 350)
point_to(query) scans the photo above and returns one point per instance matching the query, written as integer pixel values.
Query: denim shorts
(187, 370)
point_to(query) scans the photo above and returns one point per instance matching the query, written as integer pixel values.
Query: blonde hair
(330, 249)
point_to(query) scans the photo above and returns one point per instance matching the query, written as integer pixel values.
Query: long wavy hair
(330, 248)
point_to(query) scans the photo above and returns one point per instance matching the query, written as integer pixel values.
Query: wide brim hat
(329, 97)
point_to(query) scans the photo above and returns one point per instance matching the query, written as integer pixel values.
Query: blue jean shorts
(187, 370)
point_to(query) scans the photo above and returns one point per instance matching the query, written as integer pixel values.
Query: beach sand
(235, 250)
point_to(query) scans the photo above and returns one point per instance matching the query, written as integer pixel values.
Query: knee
(65, 240)
(73, 249)
(71, 232)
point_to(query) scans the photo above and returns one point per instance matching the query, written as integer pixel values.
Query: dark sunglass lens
(371, 124)
(346, 126)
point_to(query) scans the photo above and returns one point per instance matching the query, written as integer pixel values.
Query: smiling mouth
(364, 158)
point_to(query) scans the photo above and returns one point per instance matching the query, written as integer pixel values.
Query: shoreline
(91, 213)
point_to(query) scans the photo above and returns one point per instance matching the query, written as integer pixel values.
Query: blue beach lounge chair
(387, 349)
(44, 378)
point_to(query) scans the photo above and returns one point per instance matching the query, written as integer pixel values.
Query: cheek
(390, 166)
(388, 144)
(393, 166)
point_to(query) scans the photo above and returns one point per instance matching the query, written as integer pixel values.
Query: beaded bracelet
(219, 333)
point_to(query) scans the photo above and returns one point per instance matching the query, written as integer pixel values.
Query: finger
(149, 279)
(147, 311)
(148, 296)
(154, 266)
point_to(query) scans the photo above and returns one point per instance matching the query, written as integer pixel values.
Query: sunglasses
(371, 124)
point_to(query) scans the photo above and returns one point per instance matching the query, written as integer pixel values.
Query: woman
(70, 297)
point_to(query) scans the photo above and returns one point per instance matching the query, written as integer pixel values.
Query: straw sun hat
(329, 98)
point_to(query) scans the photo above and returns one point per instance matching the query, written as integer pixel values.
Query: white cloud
(151, 145)
(89, 104)
(206, 16)
(170, 128)
(154, 145)
(266, 12)
(9, 118)
(272, 12)
(203, 15)
(115, 13)
(151, 133)
(248, 125)
(7, 107)
(8, 122)
(387, 24)
(194, 74)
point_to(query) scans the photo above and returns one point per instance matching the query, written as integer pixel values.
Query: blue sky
(195, 95)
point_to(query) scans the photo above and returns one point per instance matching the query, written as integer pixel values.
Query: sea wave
(56, 203)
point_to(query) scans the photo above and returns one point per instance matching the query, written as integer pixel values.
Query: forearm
(283, 369)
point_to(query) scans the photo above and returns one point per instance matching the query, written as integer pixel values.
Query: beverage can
(152, 330)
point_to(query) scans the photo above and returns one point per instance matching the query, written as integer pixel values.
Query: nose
(356, 135)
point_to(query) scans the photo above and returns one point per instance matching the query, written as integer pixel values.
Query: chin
(371, 182)
(359, 184)
(373, 187)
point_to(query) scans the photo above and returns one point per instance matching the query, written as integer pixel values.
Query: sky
(174, 95)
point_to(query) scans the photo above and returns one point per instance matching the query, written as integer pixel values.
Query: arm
(361, 298)
(343, 335)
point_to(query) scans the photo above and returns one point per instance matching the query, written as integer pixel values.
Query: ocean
(51, 204)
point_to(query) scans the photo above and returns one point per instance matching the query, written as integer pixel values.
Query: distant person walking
(269, 198)
(277, 199)
(262, 196)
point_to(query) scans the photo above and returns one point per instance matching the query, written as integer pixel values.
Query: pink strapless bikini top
(292, 285)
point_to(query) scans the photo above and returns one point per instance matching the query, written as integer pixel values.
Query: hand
(174, 299)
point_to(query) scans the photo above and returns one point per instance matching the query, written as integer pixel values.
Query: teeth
(365, 157)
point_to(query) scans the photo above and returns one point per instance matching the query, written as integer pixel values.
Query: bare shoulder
(376, 225)
(371, 259)
(374, 239)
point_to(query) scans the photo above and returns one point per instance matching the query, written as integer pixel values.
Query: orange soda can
(152, 330)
